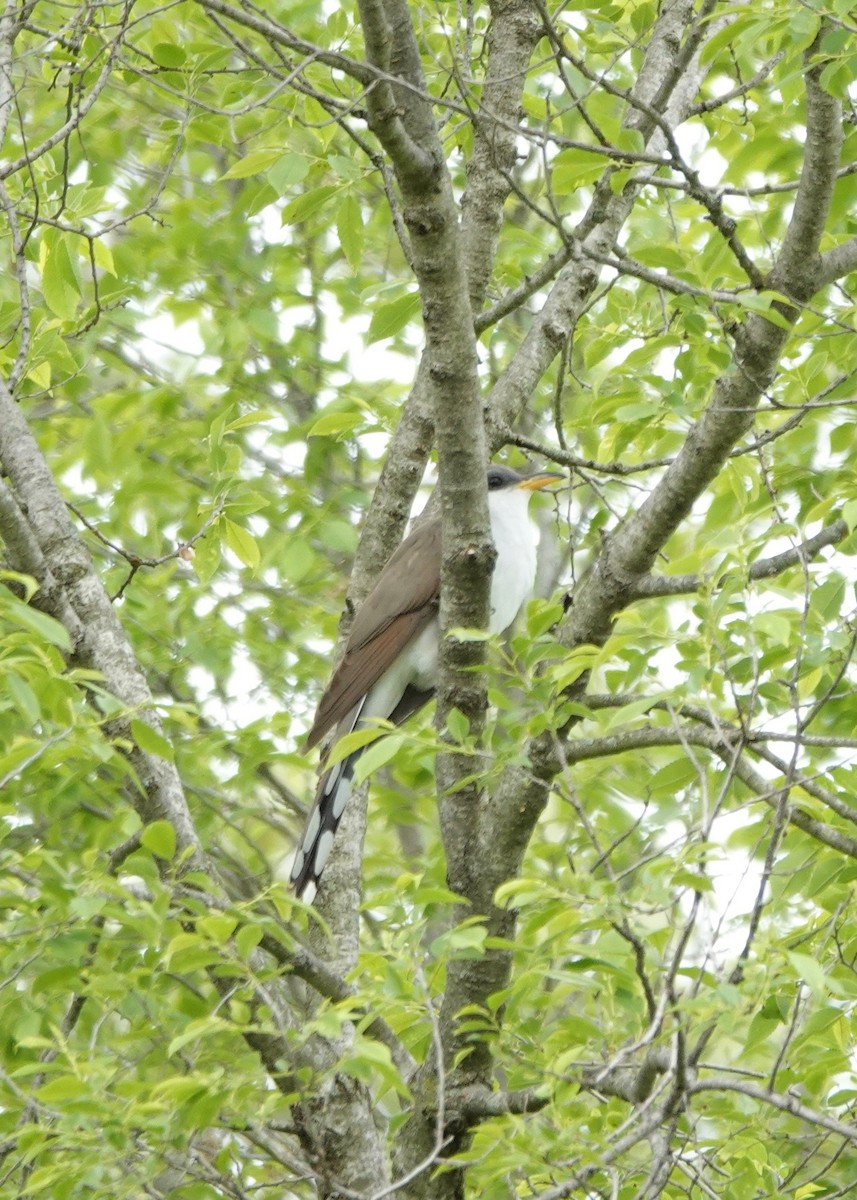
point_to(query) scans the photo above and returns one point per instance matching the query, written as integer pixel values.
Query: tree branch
(475, 1102)
(503, 825)
(26, 557)
(788, 1104)
(397, 117)
(649, 586)
(319, 975)
(722, 738)
(835, 263)
(278, 35)
(630, 553)
(796, 271)
(512, 35)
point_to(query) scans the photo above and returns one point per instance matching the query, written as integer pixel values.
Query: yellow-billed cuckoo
(389, 668)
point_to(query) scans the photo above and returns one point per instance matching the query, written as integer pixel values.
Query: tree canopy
(264, 265)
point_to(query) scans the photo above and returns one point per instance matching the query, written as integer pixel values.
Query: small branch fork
(183, 550)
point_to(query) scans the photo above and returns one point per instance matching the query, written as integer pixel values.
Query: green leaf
(207, 554)
(160, 838)
(64, 1087)
(390, 318)
(350, 742)
(378, 755)
(457, 724)
(151, 741)
(575, 168)
(464, 941)
(630, 139)
(542, 615)
(250, 418)
(44, 626)
(349, 227)
(22, 751)
(827, 598)
(41, 375)
(26, 583)
(628, 713)
(298, 559)
(59, 282)
(370, 1058)
(762, 303)
(196, 1030)
(308, 204)
(242, 544)
(777, 626)
(252, 164)
(723, 38)
(58, 979)
(104, 257)
(809, 970)
(580, 660)
(22, 696)
(288, 171)
(247, 938)
(674, 776)
(218, 927)
(169, 54)
(336, 424)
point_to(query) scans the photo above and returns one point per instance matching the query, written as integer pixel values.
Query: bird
(389, 667)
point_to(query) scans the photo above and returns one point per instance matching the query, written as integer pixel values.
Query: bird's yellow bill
(543, 479)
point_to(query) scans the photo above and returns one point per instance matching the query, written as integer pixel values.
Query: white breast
(515, 570)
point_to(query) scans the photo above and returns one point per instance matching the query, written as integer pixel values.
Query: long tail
(334, 788)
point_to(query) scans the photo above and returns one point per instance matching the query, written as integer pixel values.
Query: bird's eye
(493, 482)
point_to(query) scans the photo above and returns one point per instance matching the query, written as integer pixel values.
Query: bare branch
(793, 272)
(564, 459)
(279, 35)
(183, 550)
(839, 261)
(528, 287)
(512, 35)
(785, 1103)
(398, 117)
(741, 89)
(476, 1103)
(649, 586)
(624, 264)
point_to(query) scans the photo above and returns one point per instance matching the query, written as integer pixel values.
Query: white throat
(515, 570)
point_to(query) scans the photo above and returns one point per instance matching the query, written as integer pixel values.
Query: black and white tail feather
(331, 797)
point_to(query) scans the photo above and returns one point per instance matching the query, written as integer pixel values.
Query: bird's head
(505, 479)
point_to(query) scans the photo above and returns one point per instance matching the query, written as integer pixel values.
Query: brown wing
(400, 605)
